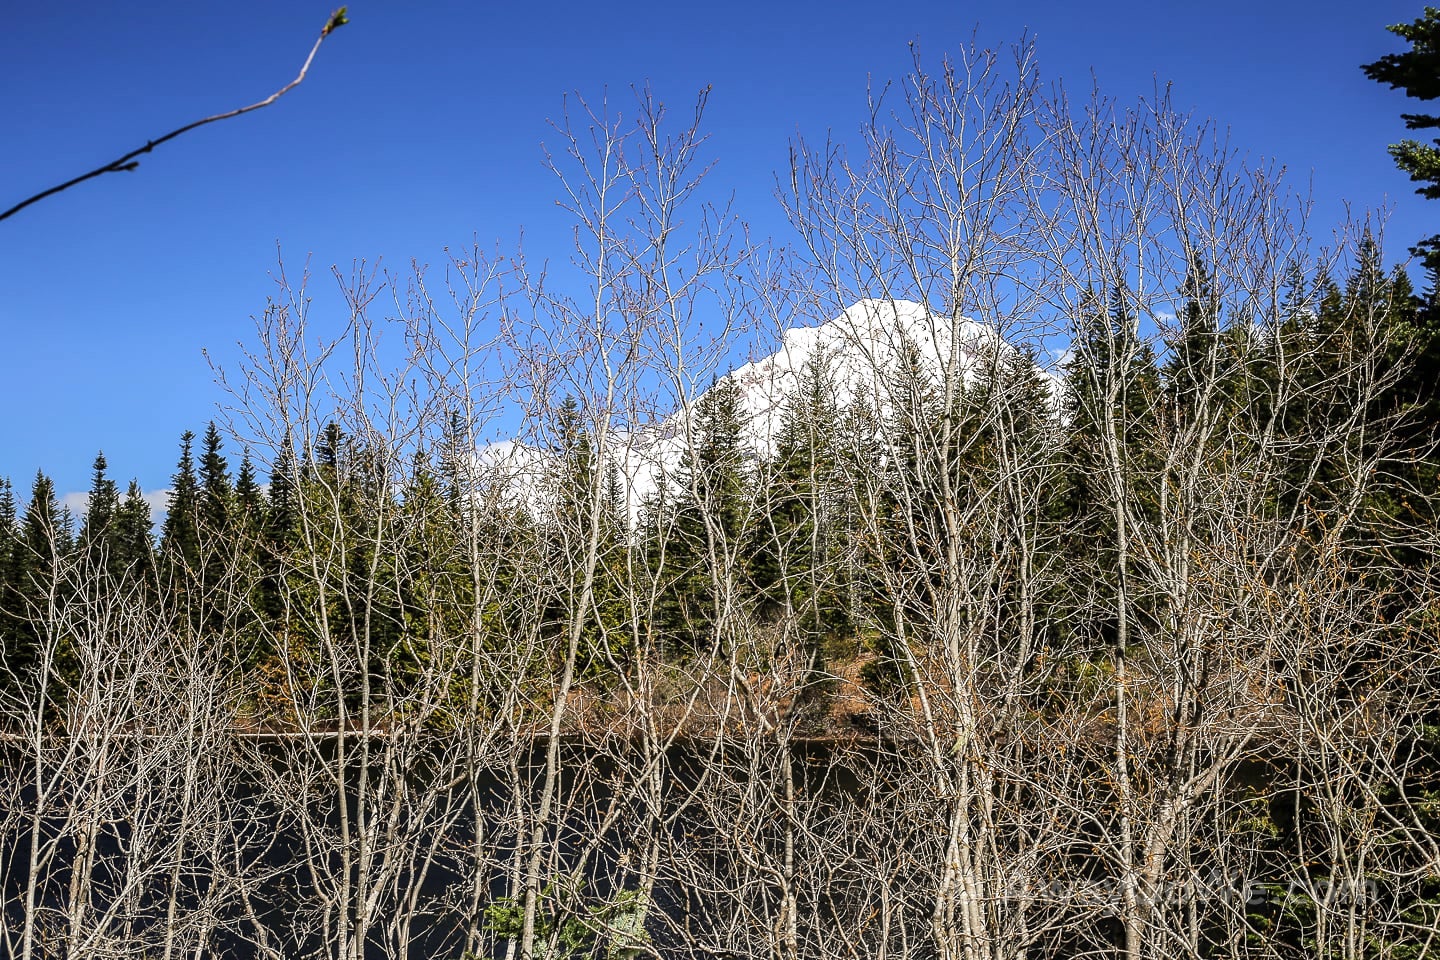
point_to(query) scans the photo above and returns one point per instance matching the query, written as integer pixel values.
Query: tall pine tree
(704, 561)
(97, 534)
(133, 543)
(180, 534)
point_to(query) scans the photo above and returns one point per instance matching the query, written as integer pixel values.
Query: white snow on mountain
(859, 352)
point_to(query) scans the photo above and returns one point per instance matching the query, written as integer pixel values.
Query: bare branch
(128, 161)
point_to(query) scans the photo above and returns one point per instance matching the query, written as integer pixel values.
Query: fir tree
(282, 509)
(216, 500)
(793, 563)
(1192, 367)
(332, 458)
(908, 457)
(8, 534)
(1417, 72)
(277, 533)
(249, 498)
(133, 544)
(705, 558)
(98, 532)
(12, 601)
(43, 539)
(180, 534)
(578, 483)
(587, 500)
(1111, 391)
(859, 451)
(43, 531)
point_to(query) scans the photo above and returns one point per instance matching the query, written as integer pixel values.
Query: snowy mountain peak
(858, 352)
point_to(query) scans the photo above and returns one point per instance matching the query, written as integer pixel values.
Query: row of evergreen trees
(806, 537)
(352, 569)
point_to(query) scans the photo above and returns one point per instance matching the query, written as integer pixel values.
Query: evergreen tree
(282, 508)
(908, 457)
(9, 535)
(578, 483)
(1112, 388)
(249, 498)
(332, 458)
(714, 472)
(180, 534)
(1193, 365)
(276, 537)
(705, 554)
(98, 532)
(223, 548)
(1417, 72)
(44, 532)
(13, 654)
(424, 576)
(217, 495)
(1417, 340)
(1330, 373)
(912, 441)
(133, 544)
(794, 562)
(585, 497)
(860, 449)
(43, 539)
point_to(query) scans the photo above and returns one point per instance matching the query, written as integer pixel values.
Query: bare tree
(1054, 607)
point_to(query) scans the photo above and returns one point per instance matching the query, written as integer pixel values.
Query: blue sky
(420, 127)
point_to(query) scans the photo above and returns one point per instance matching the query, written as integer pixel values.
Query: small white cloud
(159, 501)
(78, 503)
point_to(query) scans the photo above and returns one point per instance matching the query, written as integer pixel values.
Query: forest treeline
(1131, 652)
(813, 539)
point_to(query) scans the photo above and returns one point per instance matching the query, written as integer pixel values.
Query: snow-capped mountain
(859, 351)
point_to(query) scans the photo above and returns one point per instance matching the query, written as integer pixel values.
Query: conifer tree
(859, 452)
(1193, 364)
(133, 544)
(276, 536)
(249, 498)
(222, 550)
(714, 471)
(906, 510)
(1111, 391)
(98, 532)
(583, 496)
(43, 540)
(180, 534)
(793, 562)
(1416, 344)
(909, 436)
(282, 508)
(1111, 383)
(332, 458)
(216, 492)
(8, 535)
(43, 530)
(12, 576)
(705, 560)
(1327, 402)
(577, 483)
(1417, 72)
(423, 574)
